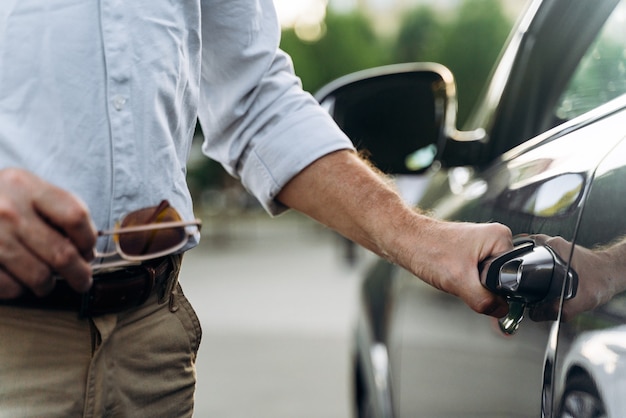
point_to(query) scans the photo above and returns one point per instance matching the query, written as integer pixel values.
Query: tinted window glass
(601, 74)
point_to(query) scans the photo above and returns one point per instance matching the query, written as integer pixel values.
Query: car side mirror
(400, 116)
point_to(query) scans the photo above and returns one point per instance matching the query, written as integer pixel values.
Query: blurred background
(276, 296)
(331, 38)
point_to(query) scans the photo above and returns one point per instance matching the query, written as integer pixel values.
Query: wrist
(410, 240)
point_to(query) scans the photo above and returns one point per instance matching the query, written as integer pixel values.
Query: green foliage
(589, 88)
(468, 43)
(419, 37)
(349, 44)
(471, 45)
(203, 173)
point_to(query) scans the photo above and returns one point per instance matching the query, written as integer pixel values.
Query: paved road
(276, 304)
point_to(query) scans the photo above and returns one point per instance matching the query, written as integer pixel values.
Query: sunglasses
(146, 234)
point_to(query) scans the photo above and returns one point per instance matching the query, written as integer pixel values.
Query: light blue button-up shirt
(101, 98)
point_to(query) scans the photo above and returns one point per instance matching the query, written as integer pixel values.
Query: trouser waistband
(112, 291)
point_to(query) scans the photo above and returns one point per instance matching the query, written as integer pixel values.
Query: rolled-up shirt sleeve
(258, 122)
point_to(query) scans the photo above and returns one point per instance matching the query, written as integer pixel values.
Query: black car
(545, 154)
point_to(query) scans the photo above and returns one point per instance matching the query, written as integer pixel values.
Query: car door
(537, 188)
(586, 370)
(443, 348)
(578, 381)
(420, 352)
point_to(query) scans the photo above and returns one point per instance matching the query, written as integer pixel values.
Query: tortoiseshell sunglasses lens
(153, 241)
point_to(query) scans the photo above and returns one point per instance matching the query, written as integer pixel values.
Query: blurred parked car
(543, 153)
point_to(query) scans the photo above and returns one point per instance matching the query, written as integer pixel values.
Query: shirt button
(118, 102)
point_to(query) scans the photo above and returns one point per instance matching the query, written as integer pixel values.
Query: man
(98, 106)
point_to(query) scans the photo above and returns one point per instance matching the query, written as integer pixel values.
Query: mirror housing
(402, 116)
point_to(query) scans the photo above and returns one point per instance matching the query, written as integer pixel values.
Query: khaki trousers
(139, 363)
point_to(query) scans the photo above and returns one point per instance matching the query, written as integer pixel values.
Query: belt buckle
(117, 290)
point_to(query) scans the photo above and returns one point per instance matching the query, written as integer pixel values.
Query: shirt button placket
(118, 102)
(118, 67)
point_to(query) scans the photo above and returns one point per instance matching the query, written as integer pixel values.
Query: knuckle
(7, 248)
(9, 212)
(41, 281)
(64, 256)
(502, 229)
(13, 176)
(484, 306)
(558, 243)
(76, 215)
(16, 179)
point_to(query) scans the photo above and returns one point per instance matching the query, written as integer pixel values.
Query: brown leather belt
(112, 291)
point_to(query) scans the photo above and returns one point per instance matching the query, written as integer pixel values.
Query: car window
(556, 73)
(601, 74)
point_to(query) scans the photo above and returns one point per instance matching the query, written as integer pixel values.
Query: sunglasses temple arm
(154, 226)
(98, 254)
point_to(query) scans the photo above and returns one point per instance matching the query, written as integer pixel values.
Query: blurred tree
(468, 44)
(471, 45)
(349, 44)
(202, 172)
(419, 36)
(588, 87)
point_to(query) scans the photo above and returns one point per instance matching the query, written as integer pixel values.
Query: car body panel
(550, 162)
(591, 345)
(508, 370)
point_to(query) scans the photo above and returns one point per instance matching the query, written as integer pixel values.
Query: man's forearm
(343, 192)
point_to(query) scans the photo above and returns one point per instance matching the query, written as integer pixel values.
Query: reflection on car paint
(555, 196)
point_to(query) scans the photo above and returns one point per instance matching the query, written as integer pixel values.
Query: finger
(70, 215)
(480, 299)
(502, 235)
(496, 239)
(59, 253)
(21, 268)
(25, 196)
(9, 287)
(71, 265)
(499, 309)
(540, 239)
(490, 240)
(560, 245)
(487, 303)
(43, 228)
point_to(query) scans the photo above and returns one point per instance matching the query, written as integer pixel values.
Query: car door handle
(526, 275)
